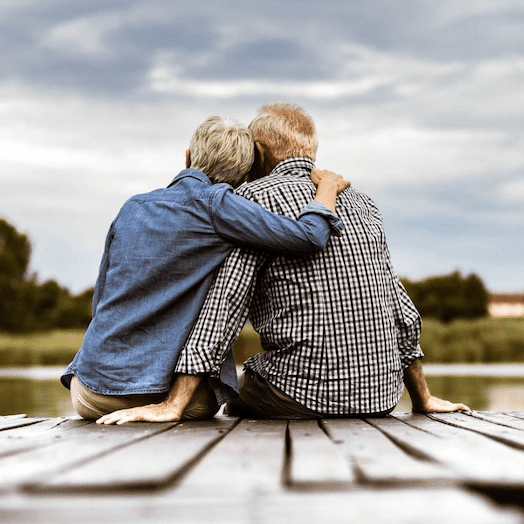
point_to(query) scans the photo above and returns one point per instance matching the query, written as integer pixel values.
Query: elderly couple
(185, 266)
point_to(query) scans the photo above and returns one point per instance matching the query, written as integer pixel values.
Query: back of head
(286, 130)
(222, 148)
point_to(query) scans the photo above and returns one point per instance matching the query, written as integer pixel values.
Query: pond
(37, 391)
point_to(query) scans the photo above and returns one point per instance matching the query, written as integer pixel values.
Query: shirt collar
(192, 173)
(302, 165)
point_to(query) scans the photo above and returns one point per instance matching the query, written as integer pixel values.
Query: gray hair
(286, 129)
(223, 149)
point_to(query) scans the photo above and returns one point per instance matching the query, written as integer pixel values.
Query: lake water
(37, 391)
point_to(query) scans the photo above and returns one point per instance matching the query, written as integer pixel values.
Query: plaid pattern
(338, 327)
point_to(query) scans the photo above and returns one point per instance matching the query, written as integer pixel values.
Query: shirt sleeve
(407, 319)
(223, 315)
(246, 223)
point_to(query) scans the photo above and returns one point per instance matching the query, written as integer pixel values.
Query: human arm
(222, 316)
(326, 181)
(409, 326)
(221, 319)
(421, 398)
(243, 221)
(169, 410)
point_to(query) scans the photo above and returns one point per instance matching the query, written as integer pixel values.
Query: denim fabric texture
(160, 257)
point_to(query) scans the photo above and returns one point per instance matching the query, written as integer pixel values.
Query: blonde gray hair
(286, 129)
(223, 149)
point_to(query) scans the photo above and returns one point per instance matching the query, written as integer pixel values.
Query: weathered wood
(314, 460)
(475, 458)
(248, 462)
(510, 436)
(16, 421)
(502, 419)
(36, 435)
(69, 449)
(409, 469)
(391, 506)
(516, 414)
(377, 459)
(388, 506)
(146, 463)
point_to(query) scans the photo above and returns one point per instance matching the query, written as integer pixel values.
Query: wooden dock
(450, 468)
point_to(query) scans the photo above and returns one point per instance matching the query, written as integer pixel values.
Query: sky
(420, 103)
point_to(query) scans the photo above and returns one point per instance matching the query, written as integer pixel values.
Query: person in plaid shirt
(340, 333)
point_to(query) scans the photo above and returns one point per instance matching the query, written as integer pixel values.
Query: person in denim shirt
(160, 258)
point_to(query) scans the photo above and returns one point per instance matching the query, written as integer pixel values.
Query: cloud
(512, 192)
(418, 103)
(163, 80)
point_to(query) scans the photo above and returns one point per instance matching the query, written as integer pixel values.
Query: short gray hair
(287, 130)
(223, 149)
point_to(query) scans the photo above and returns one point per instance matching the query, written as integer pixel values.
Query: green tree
(448, 297)
(76, 310)
(26, 305)
(15, 250)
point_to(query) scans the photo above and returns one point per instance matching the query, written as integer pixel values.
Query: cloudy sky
(420, 103)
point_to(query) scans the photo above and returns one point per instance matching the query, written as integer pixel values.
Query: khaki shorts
(91, 406)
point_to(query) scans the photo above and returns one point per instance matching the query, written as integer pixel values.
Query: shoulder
(275, 184)
(356, 202)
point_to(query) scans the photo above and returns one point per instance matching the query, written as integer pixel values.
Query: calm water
(38, 392)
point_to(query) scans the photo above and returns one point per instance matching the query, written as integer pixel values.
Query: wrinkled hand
(437, 405)
(317, 175)
(151, 413)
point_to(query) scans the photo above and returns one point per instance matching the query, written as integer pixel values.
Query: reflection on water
(35, 398)
(38, 392)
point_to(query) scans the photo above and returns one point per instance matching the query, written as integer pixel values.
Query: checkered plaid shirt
(338, 327)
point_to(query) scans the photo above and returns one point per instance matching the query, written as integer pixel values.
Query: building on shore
(506, 304)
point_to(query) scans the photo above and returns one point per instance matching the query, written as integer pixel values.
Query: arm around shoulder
(246, 223)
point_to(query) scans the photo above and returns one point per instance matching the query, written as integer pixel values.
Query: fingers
(462, 407)
(148, 413)
(119, 417)
(437, 405)
(325, 174)
(343, 184)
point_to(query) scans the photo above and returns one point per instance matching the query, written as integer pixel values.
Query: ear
(188, 159)
(257, 169)
(259, 153)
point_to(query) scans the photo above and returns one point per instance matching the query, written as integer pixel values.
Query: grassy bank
(483, 341)
(53, 348)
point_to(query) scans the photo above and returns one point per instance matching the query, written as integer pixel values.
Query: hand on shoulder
(323, 175)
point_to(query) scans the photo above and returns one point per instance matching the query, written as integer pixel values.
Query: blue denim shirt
(159, 261)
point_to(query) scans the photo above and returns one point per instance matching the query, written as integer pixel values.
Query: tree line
(449, 297)
(27, 305)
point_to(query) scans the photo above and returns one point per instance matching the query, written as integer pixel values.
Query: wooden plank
(314, 461)
(148, 463)
(448, 505)
(71, 448)
(16, 421)
(391, 506)
(516, 414)
(510, 436)
(476, 459)
(376, 459)
(499, 418)
(248, 461)
(25, 438)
